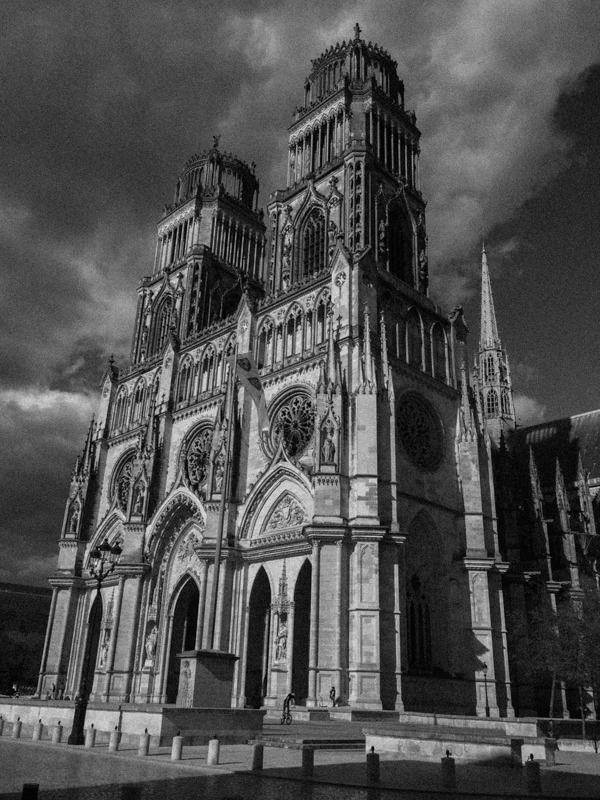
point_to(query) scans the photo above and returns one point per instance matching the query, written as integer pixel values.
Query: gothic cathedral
(294, 462)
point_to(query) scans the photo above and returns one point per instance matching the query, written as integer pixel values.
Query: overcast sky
(101, 104)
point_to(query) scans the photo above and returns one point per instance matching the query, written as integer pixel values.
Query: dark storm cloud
(103, 102)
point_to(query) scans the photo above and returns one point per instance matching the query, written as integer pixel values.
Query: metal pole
(487, 704)
(224, 493)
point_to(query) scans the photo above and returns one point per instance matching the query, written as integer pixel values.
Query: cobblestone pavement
(79, 774)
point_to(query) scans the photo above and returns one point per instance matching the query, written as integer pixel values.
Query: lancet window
(414, 339)
(207, 373)
(313, 243)
(120, 410)
(418, 627)
(491, 403)
(161, 325)
(489, 368)
(138, 403)
(186, 376)
(505, 401)
(439, 352)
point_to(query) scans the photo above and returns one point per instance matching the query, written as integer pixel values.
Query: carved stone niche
(329, 443)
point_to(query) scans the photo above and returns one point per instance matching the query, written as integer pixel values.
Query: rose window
(420, 432)
(122, 483)
(294, 423)
(197, 459)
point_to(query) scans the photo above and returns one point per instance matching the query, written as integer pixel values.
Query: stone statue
(150, 644)
(328, 447)
(104, 649)
(74, 521)
(281, 643)
(219, 472)
(138, 501)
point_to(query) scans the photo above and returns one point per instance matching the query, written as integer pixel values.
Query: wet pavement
(74, 773)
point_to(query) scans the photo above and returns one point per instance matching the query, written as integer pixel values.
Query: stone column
(290, 647)
(38, 691)
(110, 661)
(201, 603)
(313, 649)
(481, 627)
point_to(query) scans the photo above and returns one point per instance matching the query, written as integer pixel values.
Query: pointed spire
(489, 328)
(330, 353)
(536, 487)
(369, 384)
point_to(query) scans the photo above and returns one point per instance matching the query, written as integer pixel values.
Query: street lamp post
(103, 560)
(487, 702)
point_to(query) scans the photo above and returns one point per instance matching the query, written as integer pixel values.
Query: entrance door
(301, 634)
(183, 633)
(257, 667)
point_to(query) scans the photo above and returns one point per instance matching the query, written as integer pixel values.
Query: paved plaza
(75, 773)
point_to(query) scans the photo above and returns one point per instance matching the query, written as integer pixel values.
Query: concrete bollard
(1, 725)
(373, 766)
(214, 747)
(90, 736)
(448, 771)
(533, 779)
(38, 730)
(113, 742)
(16, 731)
(30, 791)
(551, 746)
(57, 734)
(177, 748)
(308, 762)
(144, 745)
(258, 754)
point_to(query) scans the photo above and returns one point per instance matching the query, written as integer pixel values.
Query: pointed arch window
(138, 403)
(120, 409)
(208, 368)
(489, 368)
(265, 339)
(414, 340)
(439, 353)
(313, 243)
(161, 325)
(418, 627)
(491, 403)
(185, 382)
(505, 401)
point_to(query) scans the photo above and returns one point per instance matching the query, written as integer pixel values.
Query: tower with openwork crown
(293, 462)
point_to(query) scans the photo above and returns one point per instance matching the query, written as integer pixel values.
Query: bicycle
(286, 717)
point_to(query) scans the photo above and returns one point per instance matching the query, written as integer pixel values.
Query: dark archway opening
(94, 625)
(257, 666)
(301, 634)
(183, 633)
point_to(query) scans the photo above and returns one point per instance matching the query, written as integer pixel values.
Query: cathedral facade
(293, 462)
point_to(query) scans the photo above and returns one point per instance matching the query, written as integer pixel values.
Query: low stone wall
(163, 722)
(517, 727)
(432, 746)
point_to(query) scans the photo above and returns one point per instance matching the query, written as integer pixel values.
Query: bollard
(533, 779)
(448, 771)
(214, 747)
(90, 736)
(113, 743)
(177, 748)
(144, 745)
(57, 734)
(1, 725)
(38, 730)
(308, 762)
(16, 731)
(373, 766)
(30, 791)
(551, 746)
(258, 752)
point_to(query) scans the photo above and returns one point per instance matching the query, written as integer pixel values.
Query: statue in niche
(74, 521)
(104, 649)
(328, 445)
(332, 236)
(138, 499)
(381, 241)
(150, 645)
(281, 642)
(219, 473)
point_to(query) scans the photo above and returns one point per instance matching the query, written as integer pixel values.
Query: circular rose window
(197, 459)
(294, 423)
(420, 432)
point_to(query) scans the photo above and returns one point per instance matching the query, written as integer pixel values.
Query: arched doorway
(257, 667)
(301, 633)
(183, 633)
(93, 640)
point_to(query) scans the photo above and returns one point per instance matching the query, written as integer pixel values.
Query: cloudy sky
(101, 103)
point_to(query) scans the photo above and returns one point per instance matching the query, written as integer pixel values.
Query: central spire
(489, 329)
